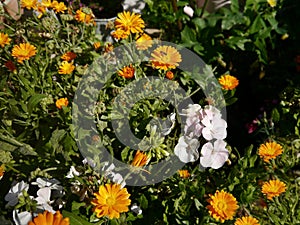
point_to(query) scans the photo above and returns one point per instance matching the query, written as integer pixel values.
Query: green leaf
(34, 100)
(275, 115)
(188, 37)
(75, 219)
(143, 201)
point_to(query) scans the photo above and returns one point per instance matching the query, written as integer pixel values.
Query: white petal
(188, 10)
(21, 218)
(44, 193)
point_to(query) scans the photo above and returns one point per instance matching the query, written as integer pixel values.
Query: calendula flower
(165, 58)
(184, 173)
(273, 188)
(40, 9)
(66, 67)
(83, 17)
(140, 159)
(228, 82)
(127, 72)
(170, 75)
(143, 42)
(222, 206)
(46, 3)
(10, 66)
(111, 200)
(108, 47)
(120, 34)
(47, 218)
(68, 56)
(269, 150)
(61, 102)
(23, 51)
(59, 6)
(97, 45)
(4, 39)
(29, 4)
(272, 3)
(2, 170)
(246, 220)
(130, 22)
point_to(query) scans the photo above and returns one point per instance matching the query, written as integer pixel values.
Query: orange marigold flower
(68, 56)
(269, 150)
(82, 16)
(143, 42)
(2, 170)
(46, 3)
(40, 9)
(23, 51)
(170, 75)
(140, 159)
(165, 58)
(61, 102)
(129, 22)
(222, 206)
(184, 173)
(272, 3)
(4, 39)
(66, 67)
(10, 66)
(97, 45)
(109, 47)
(246, 220)
(228, 82)
(273, 188)
(29, 4)
(111, 200)
(59, 7)
(120, 34)
(127, 72)
(47, 218)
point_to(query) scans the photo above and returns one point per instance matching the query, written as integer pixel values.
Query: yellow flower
(41, 9)
(272, 3)
(10, 66)
(170, 75)
(46, 3)
(111, 200)
(127, 72)
(184, 173)
(228, 82)
(84, 17)
(29, 4)
(97, 45)
(120, 34)
(23, 51)
(108, 47)
(140, 159)
(66, 67)
(143, 42)
(2, 170)
(269, 150)
(61, 102)
(4, 39)
(273, 188)
(129, 22)
(222, 206)
(47, 218)
(165, 58)
(246, 220)
(68, 56)
(59, 7)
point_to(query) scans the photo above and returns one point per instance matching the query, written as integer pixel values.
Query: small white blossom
(43, 199)
(188, 10)
(72, 172)
(187, 149)
(136, 209)
(21, 218)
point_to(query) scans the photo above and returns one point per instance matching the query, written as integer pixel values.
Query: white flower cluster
(208, 123)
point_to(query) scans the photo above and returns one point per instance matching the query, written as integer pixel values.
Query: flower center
(222, 205)
(110, 201)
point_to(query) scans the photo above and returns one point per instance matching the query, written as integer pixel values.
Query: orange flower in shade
(66, 67)
(59, 7)
(108, 47)
(184, 173)
(127, 72)
(222, 206)
(40, 9)
(246, 220)
(4, 39)
(273, 188)
(143, 42)
(10, 66)
(129, 22)
(2, 170)
(120, 34)
(111, 200)
(23, 51)
(47, 218)
(170, 75)
(84, 17)
(68, 56)
(269, 150)
(97, 45)
(61, 102)
(228, 82)
(140, 159)
(29, 4)
(165, 58)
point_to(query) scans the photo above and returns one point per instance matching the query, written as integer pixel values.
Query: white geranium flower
(51, 183)
(21, 218)
(214, 129)
(13, 195)
(136, 209)
(188, 10)
(72, 172)
(193, 127)
(187, 149)
(211, 112)
(115, 177)
(43, 199)
(214, 155)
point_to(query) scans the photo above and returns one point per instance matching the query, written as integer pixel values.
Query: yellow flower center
(222, 205)
(111, 201)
